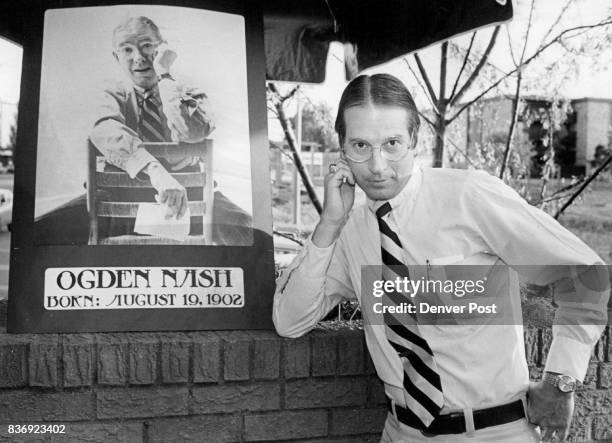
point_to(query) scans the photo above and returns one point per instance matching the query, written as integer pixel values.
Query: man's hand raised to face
(164, 59)
(339, 199)
(169, 191)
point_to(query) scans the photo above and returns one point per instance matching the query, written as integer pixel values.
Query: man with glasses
(443, 383)
(150, 107)
(153, 108)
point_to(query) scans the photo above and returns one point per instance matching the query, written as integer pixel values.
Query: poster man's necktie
(423, 390)
(150, 123)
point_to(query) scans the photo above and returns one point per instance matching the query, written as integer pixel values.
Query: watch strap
(551, 379)
(555, 380)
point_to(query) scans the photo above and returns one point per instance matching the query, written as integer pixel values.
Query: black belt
(454, 423)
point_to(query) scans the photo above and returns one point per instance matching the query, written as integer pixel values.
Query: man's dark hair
(377, 89)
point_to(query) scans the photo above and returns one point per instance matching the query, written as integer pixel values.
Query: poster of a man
(179, 87)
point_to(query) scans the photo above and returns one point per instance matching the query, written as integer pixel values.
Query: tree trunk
(513, 122)
(297, 159)
(440, 123)
(438, 151)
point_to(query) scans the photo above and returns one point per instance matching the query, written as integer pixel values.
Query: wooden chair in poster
(112, 194)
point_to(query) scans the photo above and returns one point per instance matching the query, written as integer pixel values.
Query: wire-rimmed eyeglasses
(359, 151)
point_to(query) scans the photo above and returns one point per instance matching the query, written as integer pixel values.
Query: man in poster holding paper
(151, 106)
(156, 108)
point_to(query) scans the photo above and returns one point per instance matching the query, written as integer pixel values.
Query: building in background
(593, 127)
(578, 127)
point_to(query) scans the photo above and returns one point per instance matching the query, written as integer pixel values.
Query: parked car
(6, 209)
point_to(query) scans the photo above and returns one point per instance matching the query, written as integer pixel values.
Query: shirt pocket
(446, 260)
(435, 268)
(465, 281)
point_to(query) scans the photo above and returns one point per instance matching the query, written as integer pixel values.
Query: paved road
(6, 182)
(5, 240)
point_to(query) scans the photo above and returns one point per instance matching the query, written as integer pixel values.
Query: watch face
(567, 384)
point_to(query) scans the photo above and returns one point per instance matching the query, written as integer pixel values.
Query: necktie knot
(383, 210)
(149, 98)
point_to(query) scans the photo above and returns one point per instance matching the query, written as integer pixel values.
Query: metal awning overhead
(298, 33)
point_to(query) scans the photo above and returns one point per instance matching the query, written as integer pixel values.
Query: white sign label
(143, 288)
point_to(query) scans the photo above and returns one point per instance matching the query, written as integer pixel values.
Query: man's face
(380, 179)
(135, 50)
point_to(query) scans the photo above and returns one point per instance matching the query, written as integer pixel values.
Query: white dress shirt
(443, 216)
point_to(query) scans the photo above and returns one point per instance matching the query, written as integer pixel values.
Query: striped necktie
(150, 123)
(423, 389)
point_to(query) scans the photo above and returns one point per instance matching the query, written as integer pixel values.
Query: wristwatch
(564, 383)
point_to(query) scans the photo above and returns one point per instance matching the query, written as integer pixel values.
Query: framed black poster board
(142, 198)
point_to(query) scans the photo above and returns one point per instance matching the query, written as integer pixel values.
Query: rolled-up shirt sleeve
(120, 145)
(314, 282)
(544, 252)
(188, 111)
(582, 300)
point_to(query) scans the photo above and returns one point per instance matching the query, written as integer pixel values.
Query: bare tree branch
(282, 98)
(553, 197)
(517, 95)
(424, 117)
(527, 32)
(420, 83)
(568, 187)
(560, 193)
(461, 151)
(514, 62)
(557, 20)
(584, 185)
(465, 60)
(443, 63)
(477, 69)
(282, 151)
(291, 141)
(513, 121)
(437, 134)
(288, 237)
(425, 78)
(557, 38)
(488, 63)
(289, 94)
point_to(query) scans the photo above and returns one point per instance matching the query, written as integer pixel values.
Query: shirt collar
(154, 93)
(405, 196)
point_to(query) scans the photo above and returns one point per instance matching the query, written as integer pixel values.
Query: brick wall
(225, 386)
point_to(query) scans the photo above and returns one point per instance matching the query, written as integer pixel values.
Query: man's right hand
(164, 59)
(169, 192)
(339, 199)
